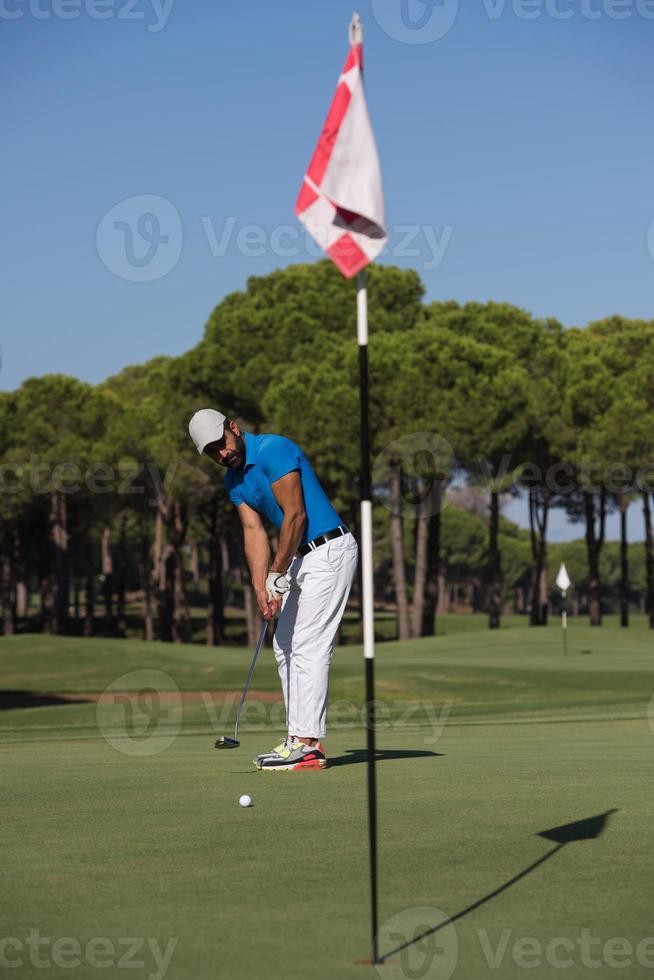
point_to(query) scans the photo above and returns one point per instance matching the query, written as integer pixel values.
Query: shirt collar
(251, 449)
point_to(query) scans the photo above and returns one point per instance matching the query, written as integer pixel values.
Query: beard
(236, 459)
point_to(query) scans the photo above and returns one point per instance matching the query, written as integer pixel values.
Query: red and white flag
(341, 202)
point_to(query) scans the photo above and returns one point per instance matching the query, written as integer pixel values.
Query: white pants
(304, 639)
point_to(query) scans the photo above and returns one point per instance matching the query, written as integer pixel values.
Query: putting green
(510, 741)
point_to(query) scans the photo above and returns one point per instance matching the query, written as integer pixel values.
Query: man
(308, 581)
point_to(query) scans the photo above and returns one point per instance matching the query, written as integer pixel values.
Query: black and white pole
(563, 583)
(367, 594)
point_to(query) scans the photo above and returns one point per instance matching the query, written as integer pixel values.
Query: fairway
(485, 741)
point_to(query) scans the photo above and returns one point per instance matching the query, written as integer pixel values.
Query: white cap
(206, 426)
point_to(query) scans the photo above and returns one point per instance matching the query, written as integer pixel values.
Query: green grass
(486, 739)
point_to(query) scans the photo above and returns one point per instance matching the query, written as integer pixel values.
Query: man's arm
(257, 553)
(289, 496)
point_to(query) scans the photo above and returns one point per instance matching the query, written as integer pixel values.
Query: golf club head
(224, 742)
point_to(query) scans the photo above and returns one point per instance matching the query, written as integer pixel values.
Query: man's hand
(269, 598)
(268, 609)
(276, 586)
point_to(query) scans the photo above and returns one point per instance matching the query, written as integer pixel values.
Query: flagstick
(563, 583)
(367, 596)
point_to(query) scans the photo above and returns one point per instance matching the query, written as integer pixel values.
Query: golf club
(225, 742)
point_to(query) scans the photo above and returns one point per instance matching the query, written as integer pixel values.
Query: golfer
(308, 581)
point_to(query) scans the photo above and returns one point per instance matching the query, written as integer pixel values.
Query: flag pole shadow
(588, 829)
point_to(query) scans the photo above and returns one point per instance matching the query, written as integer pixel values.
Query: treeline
(104, 501)
(464, 552)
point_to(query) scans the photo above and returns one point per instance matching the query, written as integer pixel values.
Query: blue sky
(518, 146)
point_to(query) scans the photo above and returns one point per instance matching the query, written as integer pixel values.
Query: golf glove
(276, 585)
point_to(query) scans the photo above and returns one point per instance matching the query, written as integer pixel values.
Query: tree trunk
(215, 609)
(167, 594)
(443, 603)
(157, 574)
(8, 588)
(544, 596)
(195, 562)
(535, 578)
(594, 542)
(89, 587)
(59, 565)
(397, 545)
(64, 571)
(108, 579)
(22, 599)
(145, 574)
(430, 608)
(121, 575)
(47, 604)
(224, 554)
(624, 563)
(181, 615)
(420, 574)
(649, 560)
(164, 570)
(157, 577)
(476, 596)
(538, 534)
(494, 564)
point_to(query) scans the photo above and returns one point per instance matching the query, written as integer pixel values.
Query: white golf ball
(245, 800)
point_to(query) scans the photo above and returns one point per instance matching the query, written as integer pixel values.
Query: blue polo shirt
(267, 459)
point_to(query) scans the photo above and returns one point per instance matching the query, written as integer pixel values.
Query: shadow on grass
(588, 829)
(30, 699)
(355, 756)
